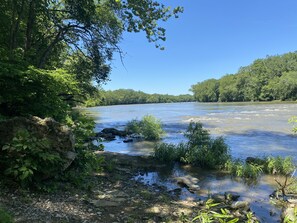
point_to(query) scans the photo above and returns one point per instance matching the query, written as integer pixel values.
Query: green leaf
(6, 147)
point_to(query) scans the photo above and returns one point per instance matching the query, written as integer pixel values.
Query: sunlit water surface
(250, 129)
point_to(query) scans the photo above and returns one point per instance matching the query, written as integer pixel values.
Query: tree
(206, 91)
(78, 37)
(228, 90)
(272, 78)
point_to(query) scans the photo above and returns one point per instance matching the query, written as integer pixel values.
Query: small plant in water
(149, 127)
(200, 150)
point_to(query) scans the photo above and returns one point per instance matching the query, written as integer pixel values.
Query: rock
(114, 132)
(231, 196)
(106, 136)
(128, 140)
(59, 137)
(254, 160)
(240, 205)
(188, 182)
(218, 198)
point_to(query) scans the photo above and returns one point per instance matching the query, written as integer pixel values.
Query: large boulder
(59, 137)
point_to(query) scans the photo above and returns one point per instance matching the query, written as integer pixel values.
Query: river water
(250, 129)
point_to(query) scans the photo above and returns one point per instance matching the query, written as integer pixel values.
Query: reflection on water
(211, 182)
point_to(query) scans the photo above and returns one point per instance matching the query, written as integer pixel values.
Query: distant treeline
(272, 78)
(128, 96)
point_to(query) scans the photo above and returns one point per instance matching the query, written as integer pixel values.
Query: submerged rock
(188, 182)
(245, 205)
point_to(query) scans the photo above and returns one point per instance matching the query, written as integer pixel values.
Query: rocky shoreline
(111, 196)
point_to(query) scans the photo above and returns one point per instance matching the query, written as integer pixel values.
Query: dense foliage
(26, 157)
(128, 96)
(200, 150)
(149, 127)
(51, 54)
(272, 78)
(5, 217)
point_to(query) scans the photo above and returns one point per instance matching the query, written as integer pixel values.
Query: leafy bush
(245, 170)
(167, 152)
(200, 150)
(293, 120)
(149, 127)
(271, 165)
(26, 157)
(279, 165)
(86, 161)
(204, 151)
(44, 90)
(5, 217)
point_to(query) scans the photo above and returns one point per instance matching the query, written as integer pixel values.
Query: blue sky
(210, 39)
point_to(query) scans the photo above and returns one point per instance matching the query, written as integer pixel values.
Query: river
(249, 129)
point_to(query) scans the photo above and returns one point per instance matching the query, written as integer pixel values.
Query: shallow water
(211, 182)
(250, 129)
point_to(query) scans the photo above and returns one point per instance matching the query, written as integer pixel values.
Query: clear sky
(210, 39)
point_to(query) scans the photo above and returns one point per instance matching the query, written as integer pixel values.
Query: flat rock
(188, 182)
(240, 205)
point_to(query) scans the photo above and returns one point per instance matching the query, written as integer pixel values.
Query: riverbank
(109, 196)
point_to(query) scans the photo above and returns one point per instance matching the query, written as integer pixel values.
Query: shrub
(149, 127)
(245, 170)
(86, 161)
(204, 151)
(5, 217)
(167, 152)
(271, 165)
(26, 158)
(200, 150)
(279, 165)
(293, 120)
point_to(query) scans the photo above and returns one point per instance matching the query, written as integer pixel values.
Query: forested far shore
(271, 78)
(129, 96)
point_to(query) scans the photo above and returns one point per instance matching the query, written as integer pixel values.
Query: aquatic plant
(242, 169)
(279, 165)
(200, 150)
(168, 152)
(149, 127)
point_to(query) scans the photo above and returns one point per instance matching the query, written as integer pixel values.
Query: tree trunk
(15, 25)
(30, 24)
